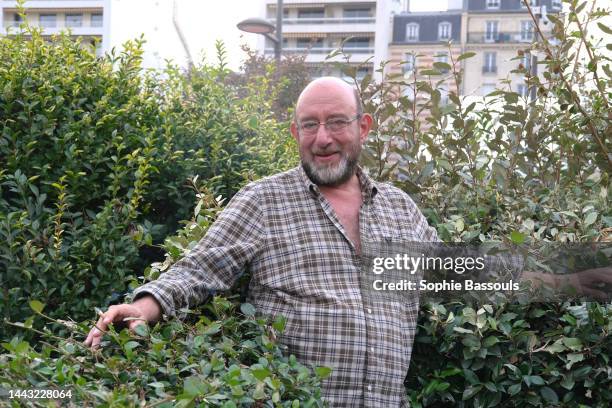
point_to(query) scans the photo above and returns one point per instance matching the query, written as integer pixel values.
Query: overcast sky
(202, 22)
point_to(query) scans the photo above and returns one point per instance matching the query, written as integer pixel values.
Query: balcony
(328, 24)
(76, 31)
(489, 69)
(57, 4)
(328, 20)
(510, 37)
(319, 54)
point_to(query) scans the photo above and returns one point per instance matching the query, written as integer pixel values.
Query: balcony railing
(489, 69)
(508, 37)
(327, 20)
(321, 50)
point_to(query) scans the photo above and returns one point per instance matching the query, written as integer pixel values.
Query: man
(301, 234)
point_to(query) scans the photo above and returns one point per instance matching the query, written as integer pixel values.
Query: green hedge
(99, 158)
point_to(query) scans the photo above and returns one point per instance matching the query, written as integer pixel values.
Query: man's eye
(310, 125)
(336, 123)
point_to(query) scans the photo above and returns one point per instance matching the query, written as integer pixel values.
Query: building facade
(316, 28)
(86, 19)
(499, 32)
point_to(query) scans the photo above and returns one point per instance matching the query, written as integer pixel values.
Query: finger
(595, 293)
(96, 332)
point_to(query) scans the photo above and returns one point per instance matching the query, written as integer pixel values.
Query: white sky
(202, 22)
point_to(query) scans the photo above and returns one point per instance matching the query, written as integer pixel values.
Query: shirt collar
(368, 187)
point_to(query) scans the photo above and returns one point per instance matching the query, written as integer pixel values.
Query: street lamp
(265, 28)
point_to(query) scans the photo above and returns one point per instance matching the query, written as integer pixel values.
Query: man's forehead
(326, 92)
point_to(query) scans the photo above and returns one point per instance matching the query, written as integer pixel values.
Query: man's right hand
(142, 311)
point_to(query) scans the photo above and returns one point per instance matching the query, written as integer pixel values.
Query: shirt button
(369, 310)
(372, 349)
(369, 387)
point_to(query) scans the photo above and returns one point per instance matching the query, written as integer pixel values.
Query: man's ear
(294, 131)
(365, 124)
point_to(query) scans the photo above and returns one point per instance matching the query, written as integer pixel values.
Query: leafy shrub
(78, 135)
(98, 155)
(222, 358)
(512, 354)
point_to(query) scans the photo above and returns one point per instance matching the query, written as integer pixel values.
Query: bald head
(330, 86)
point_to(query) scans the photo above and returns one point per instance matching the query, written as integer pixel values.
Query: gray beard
(331, 175)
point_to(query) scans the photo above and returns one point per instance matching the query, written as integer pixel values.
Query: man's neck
(348, 187)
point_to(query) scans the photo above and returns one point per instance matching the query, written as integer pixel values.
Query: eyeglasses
(310, 127)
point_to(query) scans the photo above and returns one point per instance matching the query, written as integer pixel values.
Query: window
(408, 92)
(532, 3)
(443, 89)
(556, 4)
(357, 42)
(311, 13)
(17, 19)
(96, 20)
(309, 42)
(47, 20)
(526, 61)
(490, 65)
(412, 32)
(444, 31)
(486, 89)
(526, 30)
(409, 64)
(442, 57)
(492, 4)
(74, 20)
(356, 12)
(491, 33)
(362, 72)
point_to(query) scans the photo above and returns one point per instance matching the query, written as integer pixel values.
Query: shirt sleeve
(217, 261)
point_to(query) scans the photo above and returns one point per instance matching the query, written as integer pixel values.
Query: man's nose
(323, 137)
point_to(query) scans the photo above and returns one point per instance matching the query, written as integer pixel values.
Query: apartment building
(422, 39)
(495, 30)
(87, 19)
(316, 28)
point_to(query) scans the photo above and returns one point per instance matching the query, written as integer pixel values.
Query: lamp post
(261, 26)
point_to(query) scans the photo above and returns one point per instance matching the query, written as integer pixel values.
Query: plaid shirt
(304, 267)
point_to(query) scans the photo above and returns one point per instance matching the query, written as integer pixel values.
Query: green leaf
(490, 341)
(514, 389)
(194, 386)
(533, 379)
(549, 395)
(573, 358)
(590, 218)
(247, 309)
(323, 372)
(37, 306)
(604, 28)
(466, 55)
(556, 347)
(280, 323)
(573, 343)
(470, 391)
(517, 237)
(261, 373)
(462, 330)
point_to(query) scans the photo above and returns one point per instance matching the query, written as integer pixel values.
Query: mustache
(325, 152)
